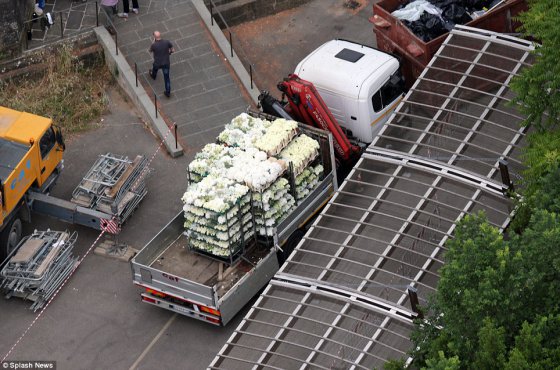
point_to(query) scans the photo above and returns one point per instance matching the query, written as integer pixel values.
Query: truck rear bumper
(186, 309)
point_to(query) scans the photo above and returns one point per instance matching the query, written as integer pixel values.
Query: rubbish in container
(433, 18)
(414, 10)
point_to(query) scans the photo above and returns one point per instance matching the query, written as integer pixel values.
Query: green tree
(492, 349)
(541, 159)
(538, 87)
(473, 284)
(489, 290)
(537, 346)
(443, 363)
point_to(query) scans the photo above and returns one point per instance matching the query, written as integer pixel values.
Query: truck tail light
(210, 310)
(211, 319)
(149, 300)
(156, 293)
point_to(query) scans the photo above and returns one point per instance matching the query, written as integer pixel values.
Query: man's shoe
(135, 10)
(122, 15)
(168, 94)
(151, 75)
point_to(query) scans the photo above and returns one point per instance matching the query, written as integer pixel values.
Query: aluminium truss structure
(343, 298)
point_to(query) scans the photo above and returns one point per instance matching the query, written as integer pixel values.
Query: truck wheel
(10, 238)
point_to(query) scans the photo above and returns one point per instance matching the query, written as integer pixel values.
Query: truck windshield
(388, 92)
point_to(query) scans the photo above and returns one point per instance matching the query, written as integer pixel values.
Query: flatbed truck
(178, 279)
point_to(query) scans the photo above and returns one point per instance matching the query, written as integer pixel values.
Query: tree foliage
(541, 159)
(496, 306)
(538, 87)
(497, 300)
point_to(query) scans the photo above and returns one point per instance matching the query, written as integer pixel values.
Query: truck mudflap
(181, 306)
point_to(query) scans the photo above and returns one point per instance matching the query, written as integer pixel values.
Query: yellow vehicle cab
(31, 150)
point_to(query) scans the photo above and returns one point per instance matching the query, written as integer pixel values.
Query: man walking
(161, 50)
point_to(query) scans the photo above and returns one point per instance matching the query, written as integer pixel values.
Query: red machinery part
(306, 103)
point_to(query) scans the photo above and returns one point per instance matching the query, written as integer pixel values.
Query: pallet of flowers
(250, 160)
(218, 217)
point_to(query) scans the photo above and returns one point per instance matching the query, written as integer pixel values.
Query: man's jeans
(165, 70)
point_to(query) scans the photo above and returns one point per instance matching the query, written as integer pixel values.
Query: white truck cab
(360, 85)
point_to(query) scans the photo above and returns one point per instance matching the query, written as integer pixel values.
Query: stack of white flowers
(272, 205)
(277, 136)
(243, 131)
(307, 181)
(252, 168)
(224, 177)
(300, 152)
(217, 215)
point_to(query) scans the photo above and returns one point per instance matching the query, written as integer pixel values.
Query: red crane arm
(306, 103)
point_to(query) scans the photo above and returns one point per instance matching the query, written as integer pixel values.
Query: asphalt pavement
(97, 321)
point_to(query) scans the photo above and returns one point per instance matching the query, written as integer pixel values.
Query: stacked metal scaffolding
(114, 185)
(42, 263)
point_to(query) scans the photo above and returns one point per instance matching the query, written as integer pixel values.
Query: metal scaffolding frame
(383, 232)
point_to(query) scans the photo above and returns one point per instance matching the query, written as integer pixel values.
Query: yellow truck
(31, 150)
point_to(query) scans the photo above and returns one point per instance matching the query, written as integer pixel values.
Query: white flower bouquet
(272, 205)
(277, 136)
(308, 180)
(217, 215)
(300, 152)
(243, 131)
(204, 161)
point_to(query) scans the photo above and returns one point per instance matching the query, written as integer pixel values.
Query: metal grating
(386, 226)
(340, 300)
(290, 328)
(458, 111)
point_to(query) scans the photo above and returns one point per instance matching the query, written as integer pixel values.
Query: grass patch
(68, 91)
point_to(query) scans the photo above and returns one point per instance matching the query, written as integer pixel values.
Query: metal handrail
(238, 49)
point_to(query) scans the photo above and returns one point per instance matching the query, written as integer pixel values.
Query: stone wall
(238, 11)
(13, 14)
(85, 46)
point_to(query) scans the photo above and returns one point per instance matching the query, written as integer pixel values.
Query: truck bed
(179, 261)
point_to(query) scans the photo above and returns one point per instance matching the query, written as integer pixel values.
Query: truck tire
(10, 238)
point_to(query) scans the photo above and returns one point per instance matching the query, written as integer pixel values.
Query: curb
(224, 45)
(126, 79)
